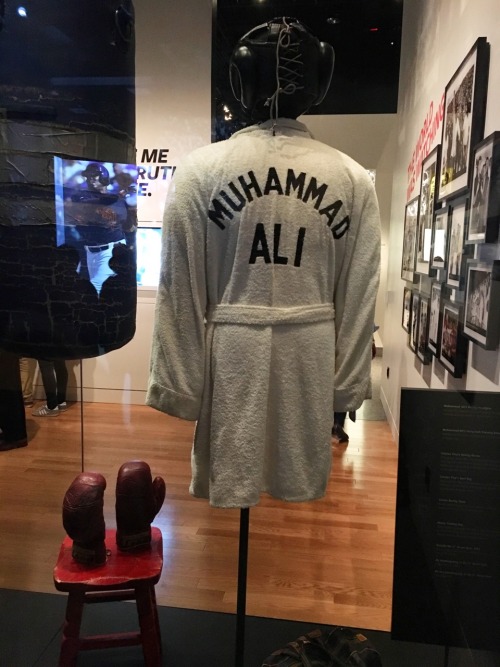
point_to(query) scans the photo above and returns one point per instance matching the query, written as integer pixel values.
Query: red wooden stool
(124, 576)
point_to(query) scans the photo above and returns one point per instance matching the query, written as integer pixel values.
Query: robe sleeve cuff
(351, 398)
(172, 403)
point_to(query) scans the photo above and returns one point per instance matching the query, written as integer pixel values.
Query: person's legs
(61, 373)
(28, 368)
(338, 427)
(12, 413)
(339, 418)
(49, 384)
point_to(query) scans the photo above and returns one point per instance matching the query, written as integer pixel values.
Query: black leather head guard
(280, 69)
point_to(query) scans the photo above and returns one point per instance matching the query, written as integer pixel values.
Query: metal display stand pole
(242, 587)
(82, 438)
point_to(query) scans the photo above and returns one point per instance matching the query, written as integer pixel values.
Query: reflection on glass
(148, 243)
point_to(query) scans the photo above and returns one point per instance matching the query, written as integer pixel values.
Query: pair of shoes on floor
(339, 433)
(45, 411)
(5, 445)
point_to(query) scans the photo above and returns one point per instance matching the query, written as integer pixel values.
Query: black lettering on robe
(295, 183)
(273, 182)
(234, 205)
(259, 245)
(331, 211)
(249, 186)
(300, 246)
(339, 230)
(315, 192)
(218, 212)
(278, 259)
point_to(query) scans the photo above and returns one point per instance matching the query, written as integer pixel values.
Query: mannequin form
(270, 271)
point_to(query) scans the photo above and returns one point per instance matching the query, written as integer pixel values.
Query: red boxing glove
(83, 518)
(138, 501)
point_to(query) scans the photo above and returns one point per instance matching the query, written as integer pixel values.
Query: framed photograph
(453, 344)
(413, 332)
(406, 315)
(484, 218)
(410, 239)
(423, 352)
(428, 193)
(439, 241)
(463, 122)
(482, 305)
(455, 274)
(435, 320)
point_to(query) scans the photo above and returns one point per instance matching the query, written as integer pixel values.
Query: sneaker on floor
(62, 406)
(28, 403)
(45, 411)
(339, 433)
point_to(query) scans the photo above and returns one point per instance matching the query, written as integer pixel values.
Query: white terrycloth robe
(265, 309)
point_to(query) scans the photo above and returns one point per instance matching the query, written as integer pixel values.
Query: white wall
(437, 35)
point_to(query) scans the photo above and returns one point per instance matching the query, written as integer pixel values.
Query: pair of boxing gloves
(138, 500)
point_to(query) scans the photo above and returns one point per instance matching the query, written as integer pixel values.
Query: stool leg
(157, 620)
(148, 622)
(71, 631)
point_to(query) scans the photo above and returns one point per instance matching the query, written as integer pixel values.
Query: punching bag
(68, 211)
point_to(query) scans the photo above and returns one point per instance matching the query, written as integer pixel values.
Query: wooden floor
(327, 561)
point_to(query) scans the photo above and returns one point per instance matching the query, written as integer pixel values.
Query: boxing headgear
(280, 68)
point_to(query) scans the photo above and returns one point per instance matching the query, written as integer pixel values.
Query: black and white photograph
(452, 345)
(405, 318)
(410, 239)
(423, 352)
(484, 217)
(439, 238)
(455, 273)
(435, 318)
(428, 192)
(413, 333)
(463, 122)
(482, 308)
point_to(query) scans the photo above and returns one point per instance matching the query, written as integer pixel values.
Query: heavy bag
(67, 100)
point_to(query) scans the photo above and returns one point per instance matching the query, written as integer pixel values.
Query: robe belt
(243, 314)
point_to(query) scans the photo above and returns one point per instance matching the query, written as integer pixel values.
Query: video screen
(96, 210)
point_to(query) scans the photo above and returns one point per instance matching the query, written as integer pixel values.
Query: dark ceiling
(366, 36)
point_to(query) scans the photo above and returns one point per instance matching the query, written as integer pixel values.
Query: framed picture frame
(482, 303)
(439, 242)
(484, 218)
(453, 344)
(408, 260)
(435, 319)
(413, 332)
(463, 122)
(406, 313)
(428, 193)
(456, 255)
(423, 352)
